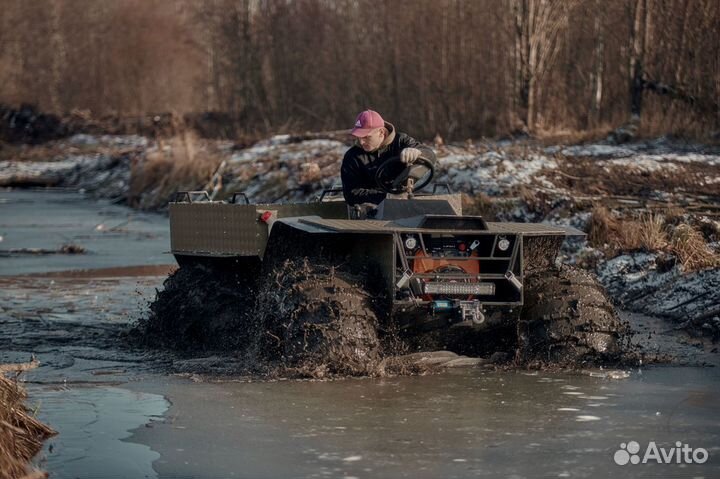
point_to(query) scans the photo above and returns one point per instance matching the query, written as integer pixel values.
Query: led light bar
(460, 288)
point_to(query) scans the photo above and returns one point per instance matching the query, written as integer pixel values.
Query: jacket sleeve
(407, 141)
(354, 189)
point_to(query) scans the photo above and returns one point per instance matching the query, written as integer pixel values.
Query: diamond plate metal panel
(216, 228)
(350, 226)
(376, 226)
(533, 229)
(224, 229)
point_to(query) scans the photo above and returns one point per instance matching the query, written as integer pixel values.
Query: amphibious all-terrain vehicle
(414, 262)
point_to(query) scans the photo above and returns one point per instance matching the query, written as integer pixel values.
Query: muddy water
(93, 424)
(112, 235)
(122, 412)
(462, 424)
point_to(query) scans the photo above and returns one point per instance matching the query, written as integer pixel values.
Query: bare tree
(460, 68)
(538, 24)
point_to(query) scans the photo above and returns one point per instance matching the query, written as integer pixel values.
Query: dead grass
(479, 205)
(651, 232)
(180, 163)
(647, 233)
(21, 435)
(691, 249)
(555, 136)
(603, 228)
(589, 177)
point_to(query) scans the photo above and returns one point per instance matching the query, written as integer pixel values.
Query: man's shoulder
(401, 136)
(354, 153)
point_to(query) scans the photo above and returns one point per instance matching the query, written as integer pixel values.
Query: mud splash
(200, 309)
(305, 318)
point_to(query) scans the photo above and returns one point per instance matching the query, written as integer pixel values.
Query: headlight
(410, 242)
(458, 289)
(503, 244)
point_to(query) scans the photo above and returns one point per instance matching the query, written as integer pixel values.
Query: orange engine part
(428, 265)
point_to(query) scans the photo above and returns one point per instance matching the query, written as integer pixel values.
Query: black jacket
(359, 166)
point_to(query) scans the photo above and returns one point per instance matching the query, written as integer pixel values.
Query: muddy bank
(299, 167)
(642, 282)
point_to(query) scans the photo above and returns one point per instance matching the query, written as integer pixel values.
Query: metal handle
(329, 190)
(233, 200)
(188, 196)
(443, 185)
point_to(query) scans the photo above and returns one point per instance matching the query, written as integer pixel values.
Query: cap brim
(361, 132)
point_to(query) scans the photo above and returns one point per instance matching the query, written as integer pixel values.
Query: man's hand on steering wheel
(409, 155)
(394, 176)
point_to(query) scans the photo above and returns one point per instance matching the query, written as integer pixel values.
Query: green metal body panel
(224, 229)
(218, 231)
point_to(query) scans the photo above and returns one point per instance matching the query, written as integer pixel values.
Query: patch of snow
(712, 160)
(644, 163)
(597, 150)
(40, 169)
(83, 139)
(635, 282)
(280, 151)
(579, 220)
(492, 173)
(274, 141)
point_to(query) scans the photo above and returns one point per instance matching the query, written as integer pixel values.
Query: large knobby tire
(202, 308)
(319, 320)
(567, 319)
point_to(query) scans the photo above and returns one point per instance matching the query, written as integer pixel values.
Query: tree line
(458, 68)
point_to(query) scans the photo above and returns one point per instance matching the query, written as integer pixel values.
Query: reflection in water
(457, 424)
(93, 424)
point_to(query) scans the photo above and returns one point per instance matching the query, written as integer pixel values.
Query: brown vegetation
(181, 163)
(603, 229)
(691, 249)
(587, 176)
(21, 435)
(479, 205)
(460, 68)
(651, 232)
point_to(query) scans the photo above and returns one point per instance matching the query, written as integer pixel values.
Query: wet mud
(568, 319)
(305, 318)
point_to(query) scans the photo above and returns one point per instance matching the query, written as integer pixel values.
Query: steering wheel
(393, 175)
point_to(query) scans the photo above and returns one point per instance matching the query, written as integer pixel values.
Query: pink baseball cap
(366, 122)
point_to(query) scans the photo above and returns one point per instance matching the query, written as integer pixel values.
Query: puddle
(112, 235)
(463, 423)
(94, 426)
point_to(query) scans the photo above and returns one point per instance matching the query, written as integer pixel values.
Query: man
(377, 142)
